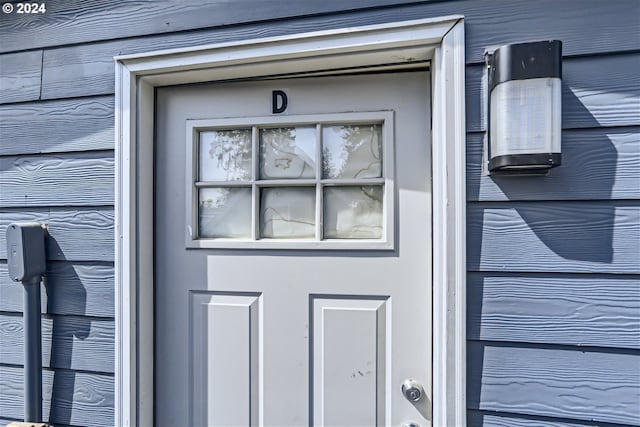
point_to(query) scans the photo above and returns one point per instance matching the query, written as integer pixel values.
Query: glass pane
(288, 152)
(225, 155)
(287, 213)
(353, 212)
(352, 151)
(225, 212)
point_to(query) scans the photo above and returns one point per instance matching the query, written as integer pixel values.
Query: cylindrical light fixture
(525, 110)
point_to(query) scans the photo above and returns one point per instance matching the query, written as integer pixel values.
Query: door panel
(349, 345)
(224, 349)
(294, 336)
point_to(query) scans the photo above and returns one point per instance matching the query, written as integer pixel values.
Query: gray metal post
(27, 263)
(32, 352)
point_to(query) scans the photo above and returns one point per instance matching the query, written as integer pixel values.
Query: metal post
(27, 262)
(32, 352)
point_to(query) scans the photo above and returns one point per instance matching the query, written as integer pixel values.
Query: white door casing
(323, 330)
(440, 41)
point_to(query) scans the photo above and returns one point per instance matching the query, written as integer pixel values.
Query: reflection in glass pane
(287, 213)
(225, 155)
(288, 152)
(225, 212)
(352, 151)
(353, 212)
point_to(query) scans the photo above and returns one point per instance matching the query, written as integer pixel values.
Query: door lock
(412, 390)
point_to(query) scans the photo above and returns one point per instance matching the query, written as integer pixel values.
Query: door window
(308, 181)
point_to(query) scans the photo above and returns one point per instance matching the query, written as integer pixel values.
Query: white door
(293, 252)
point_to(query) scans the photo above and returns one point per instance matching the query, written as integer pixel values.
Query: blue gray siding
(554, 264)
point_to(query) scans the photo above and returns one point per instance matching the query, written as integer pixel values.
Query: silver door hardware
(411, 424)
(412, 390)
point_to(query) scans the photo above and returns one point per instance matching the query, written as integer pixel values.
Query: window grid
(319, 183)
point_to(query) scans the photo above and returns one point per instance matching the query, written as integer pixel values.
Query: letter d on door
(279, 101)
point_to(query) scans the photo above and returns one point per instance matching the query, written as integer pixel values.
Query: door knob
(412, 390)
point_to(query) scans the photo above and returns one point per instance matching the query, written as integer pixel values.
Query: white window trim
(439, 40)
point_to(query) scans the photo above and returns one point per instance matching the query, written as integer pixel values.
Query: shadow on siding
(563, 230)
(62, 393)
(558, 224)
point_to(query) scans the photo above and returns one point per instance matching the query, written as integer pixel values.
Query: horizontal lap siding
(20, 76)
(563, 237)
(71, 288)
(554, 382)
(57, 126)
(567, 309)
(56, 166)
(68, 397)
(512, 21)
(74, 234)
(68, 342)
(597, 163)
(503, 419)
(88, 69)
(69, 179)
(532, 310)
(81, 21)
(597, 91)
(6, 421)
(549, 345)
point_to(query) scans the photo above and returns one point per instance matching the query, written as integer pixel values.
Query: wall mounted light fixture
(525, 110)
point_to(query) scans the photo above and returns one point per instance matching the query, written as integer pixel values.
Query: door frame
(404, 44)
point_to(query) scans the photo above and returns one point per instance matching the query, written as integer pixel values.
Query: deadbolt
(412, 390)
